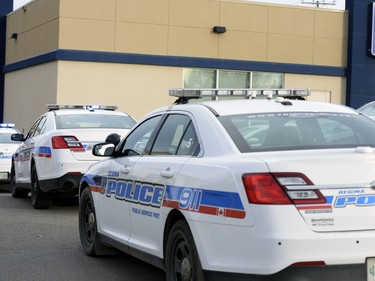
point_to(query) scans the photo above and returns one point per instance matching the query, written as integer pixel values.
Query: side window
(189, 143)
(177, 136)
(41, 126)
(33, 129)
(138, 139)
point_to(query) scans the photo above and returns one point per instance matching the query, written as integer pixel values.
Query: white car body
(328, 229)
(59, 146)
(7, 148)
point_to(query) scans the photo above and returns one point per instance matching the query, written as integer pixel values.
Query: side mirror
(103, 149)
(17, 137)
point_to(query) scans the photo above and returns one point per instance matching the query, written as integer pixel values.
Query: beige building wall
(255, 31)
(135, 89)
(27, 92)
(258, 32)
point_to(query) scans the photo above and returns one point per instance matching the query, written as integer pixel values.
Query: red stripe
(314, 207)
(208, 210)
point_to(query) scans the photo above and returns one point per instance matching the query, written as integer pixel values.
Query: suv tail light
(67, 142)
(281, 188)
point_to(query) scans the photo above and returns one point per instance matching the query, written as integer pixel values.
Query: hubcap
(185, 269)
(91, 220)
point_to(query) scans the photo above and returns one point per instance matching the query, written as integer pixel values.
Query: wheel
(87, 223)
(16, 192)
(182, 260)
(39, 199)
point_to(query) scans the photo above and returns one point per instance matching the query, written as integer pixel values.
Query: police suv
(267, 187)
(57, 150)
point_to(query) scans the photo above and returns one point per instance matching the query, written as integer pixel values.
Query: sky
(340, 4)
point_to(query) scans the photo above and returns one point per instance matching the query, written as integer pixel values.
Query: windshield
(82, 121)
(298, 130)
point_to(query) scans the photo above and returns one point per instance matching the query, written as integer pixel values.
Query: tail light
(67, 142)
(281, 188)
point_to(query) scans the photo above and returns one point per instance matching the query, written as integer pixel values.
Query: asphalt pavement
(43, 245)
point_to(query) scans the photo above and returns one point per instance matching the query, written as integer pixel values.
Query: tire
(16, 192)
(182, 261)
(39, 199)
(87, 223)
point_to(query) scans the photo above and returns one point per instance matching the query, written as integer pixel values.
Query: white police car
(57, 150)
(259, 189)
(7, 148)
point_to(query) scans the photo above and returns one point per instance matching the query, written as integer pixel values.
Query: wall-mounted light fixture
(14, 36)
(219, 29)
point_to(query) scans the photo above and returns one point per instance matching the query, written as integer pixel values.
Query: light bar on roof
(80, 106)
(7, 125)
(250, 93)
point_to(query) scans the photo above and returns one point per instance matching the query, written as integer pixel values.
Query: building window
(199, 78)
(225, 79)
(233, 79)
(267, 80)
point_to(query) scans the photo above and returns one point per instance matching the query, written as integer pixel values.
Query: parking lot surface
(44, 245)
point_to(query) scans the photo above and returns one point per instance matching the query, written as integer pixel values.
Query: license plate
(3, 175)
(370, 262)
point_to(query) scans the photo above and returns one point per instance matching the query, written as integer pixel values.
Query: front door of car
(27, 149)
(174, 144)
(120, 189)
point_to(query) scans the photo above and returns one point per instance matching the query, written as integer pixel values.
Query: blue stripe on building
(126, 58)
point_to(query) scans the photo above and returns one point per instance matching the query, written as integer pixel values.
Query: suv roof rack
(184, 95)
(51, 107)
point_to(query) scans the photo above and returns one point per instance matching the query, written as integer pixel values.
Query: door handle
(167, 173)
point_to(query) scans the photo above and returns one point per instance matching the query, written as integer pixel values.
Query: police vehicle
(57, 150)
(7, 147)
(272, 188)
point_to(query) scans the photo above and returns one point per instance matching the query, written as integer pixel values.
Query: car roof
(242, 106)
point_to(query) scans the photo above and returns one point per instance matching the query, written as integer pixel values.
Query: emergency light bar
(249, 93)
(7, 125)
(80, 106)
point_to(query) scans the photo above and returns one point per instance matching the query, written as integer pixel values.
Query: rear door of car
(156, 172)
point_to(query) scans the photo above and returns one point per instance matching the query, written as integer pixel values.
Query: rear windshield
(299, 130)
(82, 121)
(5, 138)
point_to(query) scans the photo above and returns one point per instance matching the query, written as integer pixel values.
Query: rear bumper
(357, 272)
(66, 183)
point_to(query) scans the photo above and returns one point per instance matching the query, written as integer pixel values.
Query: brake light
(264, 189)
(281, 188)
(67, 142)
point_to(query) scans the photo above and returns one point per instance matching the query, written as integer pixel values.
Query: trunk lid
(345, 177)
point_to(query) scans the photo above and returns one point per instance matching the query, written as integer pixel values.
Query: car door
(152, 174)
(119, 188)
(26, 149)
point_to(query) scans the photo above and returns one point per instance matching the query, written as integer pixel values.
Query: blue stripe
(220, 199)
(125, 58)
